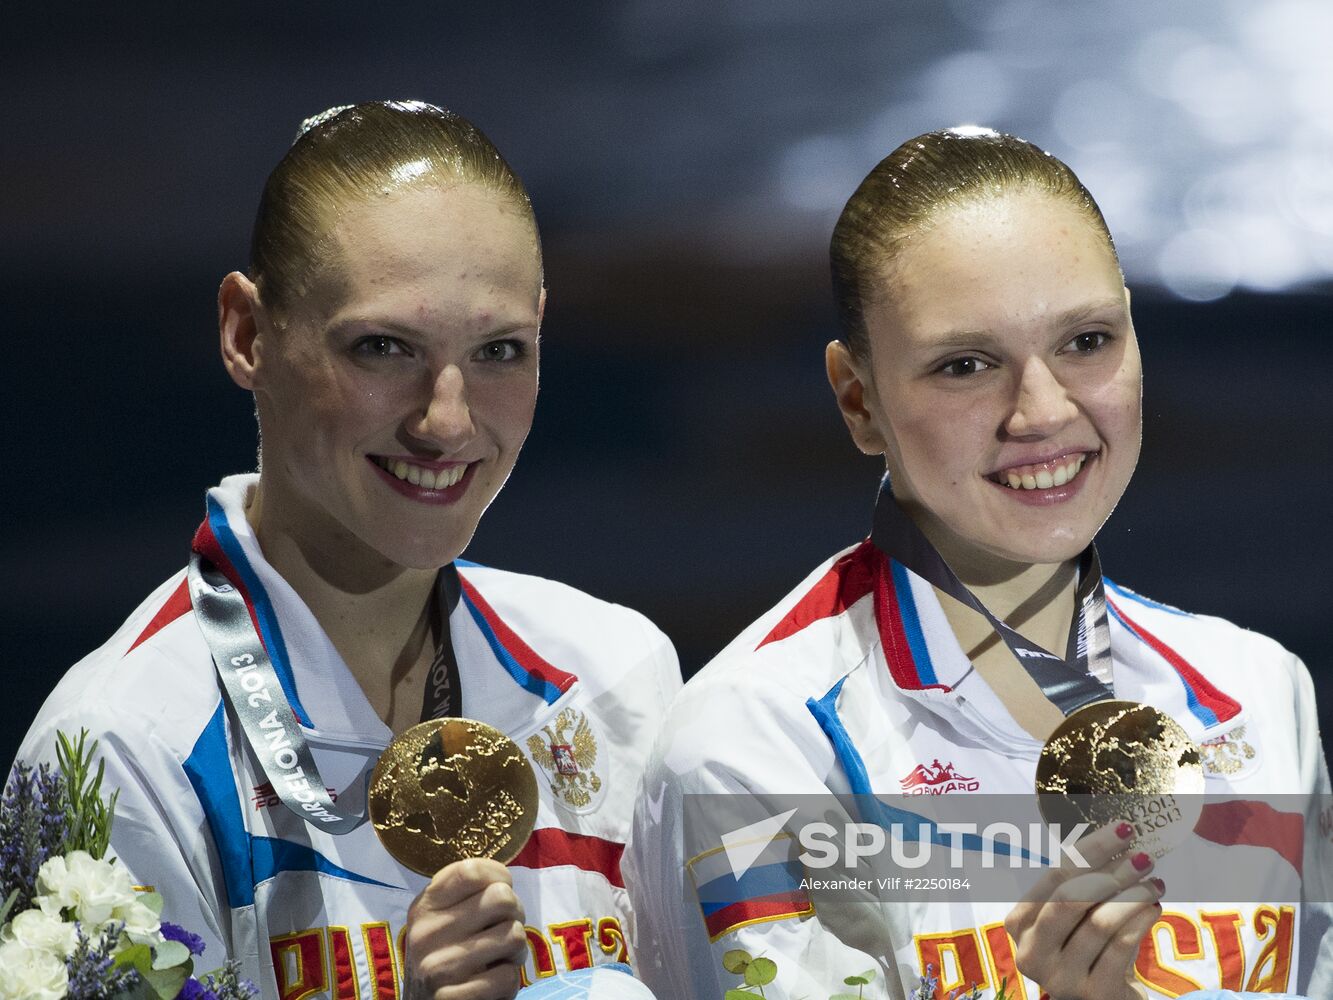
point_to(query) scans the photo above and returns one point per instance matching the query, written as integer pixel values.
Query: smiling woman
(388, 329)
(988, 354)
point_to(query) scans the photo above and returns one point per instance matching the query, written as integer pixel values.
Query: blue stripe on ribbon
(916, 639)
(269, 630)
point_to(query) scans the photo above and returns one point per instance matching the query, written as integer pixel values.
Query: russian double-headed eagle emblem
(566, 751)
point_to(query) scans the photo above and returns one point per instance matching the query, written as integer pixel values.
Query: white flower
(141, 923)
(31, 973)
(93, 888)
(42, 932)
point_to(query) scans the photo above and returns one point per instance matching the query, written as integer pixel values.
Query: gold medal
(1120, 760)
(450, 789)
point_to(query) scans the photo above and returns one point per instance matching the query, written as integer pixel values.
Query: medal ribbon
(1071, 681)
(252, 688)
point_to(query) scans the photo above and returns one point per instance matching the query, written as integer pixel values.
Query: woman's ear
(239, 315)
(855, 393)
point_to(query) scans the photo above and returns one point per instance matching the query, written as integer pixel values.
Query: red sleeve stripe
(846, 582)
(174, 606)
(551, 847)
(779, 906)
(1254, 824)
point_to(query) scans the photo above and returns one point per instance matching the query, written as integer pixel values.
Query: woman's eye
(501, 350)
(379, 346)
(1086, 343)
(964, 366)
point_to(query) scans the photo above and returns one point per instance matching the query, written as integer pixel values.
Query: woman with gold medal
(988, 353)
(388, 329)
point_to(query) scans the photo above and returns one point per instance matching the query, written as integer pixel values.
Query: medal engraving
(1119, 760)
(450, 789)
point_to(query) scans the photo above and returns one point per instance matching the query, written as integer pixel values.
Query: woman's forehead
(429, 249)
(992, 263)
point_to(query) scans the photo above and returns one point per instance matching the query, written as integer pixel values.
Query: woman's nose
(1042, 405)
(447, 420)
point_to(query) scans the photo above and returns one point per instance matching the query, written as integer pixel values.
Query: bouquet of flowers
(71, 923)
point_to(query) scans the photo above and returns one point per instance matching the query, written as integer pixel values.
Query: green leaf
(856, 981)
(738, 995)
(761, 972)
(139, 991)
(166, 982)
(136, 956)
(736, 960)
(844, 996)
(170, 954)
(9, 904)
(152, 900)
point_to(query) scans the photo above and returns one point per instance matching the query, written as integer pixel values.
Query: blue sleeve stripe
(209, 769)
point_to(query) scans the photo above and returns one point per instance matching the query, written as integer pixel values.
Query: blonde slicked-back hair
(908, 190)
(352, 154)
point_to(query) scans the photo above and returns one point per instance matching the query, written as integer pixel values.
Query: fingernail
(1141, 861)
(1161, 886)
(1124, 831)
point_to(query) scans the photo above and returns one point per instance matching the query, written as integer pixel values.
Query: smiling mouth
(417, 475)
(1043, 476)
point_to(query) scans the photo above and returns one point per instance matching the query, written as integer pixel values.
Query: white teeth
(418, 476)
(1043, 479)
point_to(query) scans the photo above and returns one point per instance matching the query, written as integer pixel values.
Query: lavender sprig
(224, 984)
(92, 971)
(33, 827)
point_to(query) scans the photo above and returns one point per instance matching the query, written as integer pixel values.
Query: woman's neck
(377, 614)
(1034, 599)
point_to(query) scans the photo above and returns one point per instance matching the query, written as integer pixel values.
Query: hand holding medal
(456, 799)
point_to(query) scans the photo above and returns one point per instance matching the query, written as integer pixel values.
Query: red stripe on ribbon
(524, 655)
(846, 582)
(1208, 696)
(176, 605)
(778, 906)
(1254, 824)
(551, 847)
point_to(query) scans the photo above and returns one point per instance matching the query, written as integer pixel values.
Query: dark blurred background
(687, 160)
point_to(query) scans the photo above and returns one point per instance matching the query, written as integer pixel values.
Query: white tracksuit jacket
(856, 683)
(311, 914)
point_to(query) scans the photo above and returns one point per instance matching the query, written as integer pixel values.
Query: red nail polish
(1124, 831)
(1161, 886)
(1141, 862)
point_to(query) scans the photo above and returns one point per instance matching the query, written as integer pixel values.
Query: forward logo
(936, 779)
